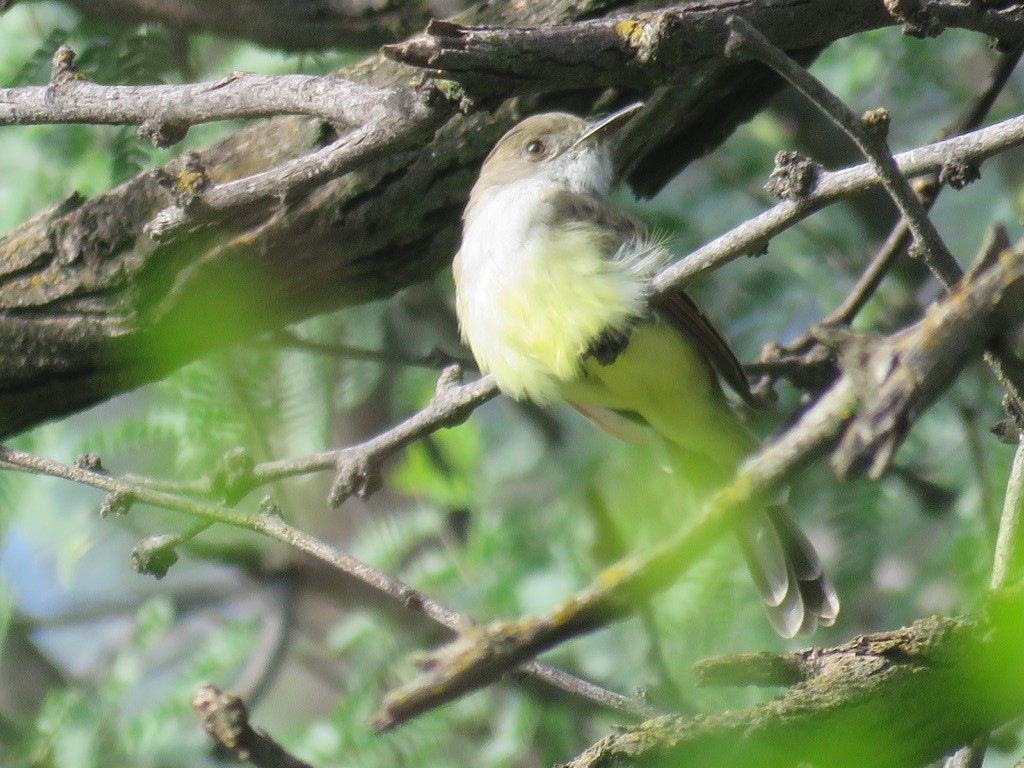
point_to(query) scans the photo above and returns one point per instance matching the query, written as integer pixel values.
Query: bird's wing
(627, 427)
(683, 313)
(676, 307)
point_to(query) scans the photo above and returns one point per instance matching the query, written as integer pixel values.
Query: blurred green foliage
(502, 516)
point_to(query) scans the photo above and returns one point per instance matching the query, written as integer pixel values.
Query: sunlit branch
(902, 697)
(388, 132)
(169, 110)
(751, 237)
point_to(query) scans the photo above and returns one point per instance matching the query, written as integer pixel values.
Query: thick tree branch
(637, 51)
(647, 49)
(299, 26)
(905, 698)
(907, 374)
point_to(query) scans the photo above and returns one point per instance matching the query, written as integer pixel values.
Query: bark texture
(900, 698)
(294, 25)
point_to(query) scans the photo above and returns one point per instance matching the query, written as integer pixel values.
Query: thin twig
(433, 360)
(1008, 563)
(122, 495)
(358, 465)
(416, 601)
(752, 236)
(927, 189)
(451, 404)
(867, 132)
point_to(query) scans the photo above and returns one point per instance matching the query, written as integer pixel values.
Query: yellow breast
(530, 317)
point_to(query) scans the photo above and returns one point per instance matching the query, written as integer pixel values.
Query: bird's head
(556, 148)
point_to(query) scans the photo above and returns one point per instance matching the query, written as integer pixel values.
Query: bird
(553, 296)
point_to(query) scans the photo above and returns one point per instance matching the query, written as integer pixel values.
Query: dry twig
(225, 717)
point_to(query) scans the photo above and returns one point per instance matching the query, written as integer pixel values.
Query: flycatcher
(553, 297)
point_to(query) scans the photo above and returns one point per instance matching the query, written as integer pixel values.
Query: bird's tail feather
(797, 594)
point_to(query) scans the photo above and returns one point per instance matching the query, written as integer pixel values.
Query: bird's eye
(536, 149)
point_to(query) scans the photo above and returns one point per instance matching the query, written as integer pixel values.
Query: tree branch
(904, 697)
(400, 121)
(358, 466)
(226, 718)
(1008, 563)
(805, 361)
(868, 132)
(751, 237)
(928, 189)
(70, 98)
(642, 50)
(283, 24)
(636, 51)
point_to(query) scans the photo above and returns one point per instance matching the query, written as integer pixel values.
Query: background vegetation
(499, 517)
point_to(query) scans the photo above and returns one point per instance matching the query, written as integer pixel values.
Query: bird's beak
(607, 126)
